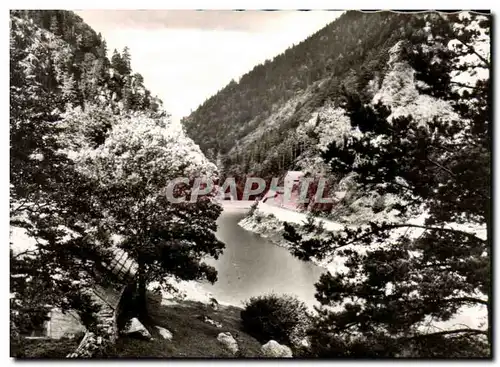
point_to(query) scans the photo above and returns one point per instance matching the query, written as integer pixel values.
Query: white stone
(166, 334)
(273, 349)
(137, 328)
(214, 323)
(227, 340)
(304, 343)
(208, 320)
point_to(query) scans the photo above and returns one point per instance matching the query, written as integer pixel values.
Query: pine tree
(126, 68)
(127, 94)
(402, 276)
(103, 49)
(116, 61)
(48, 198)
(54, 25)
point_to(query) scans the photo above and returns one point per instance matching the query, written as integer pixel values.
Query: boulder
(273, 349)
(166, 334)
(137, 329)
(227, 340)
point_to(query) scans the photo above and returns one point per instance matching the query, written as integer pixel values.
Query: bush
(273, 317)
(253, 207)
(258, 216)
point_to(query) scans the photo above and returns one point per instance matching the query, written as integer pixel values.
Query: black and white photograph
(250, 184)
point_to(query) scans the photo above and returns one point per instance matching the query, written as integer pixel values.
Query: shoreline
(271, 228)
(472, 316)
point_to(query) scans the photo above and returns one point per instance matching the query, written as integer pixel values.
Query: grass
(44, 348)
(192, 338)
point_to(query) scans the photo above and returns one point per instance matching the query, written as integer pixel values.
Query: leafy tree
(404, 275)
(131, 171)
(68, 88)
(49, 198)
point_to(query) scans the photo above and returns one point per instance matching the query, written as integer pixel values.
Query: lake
(251, 266)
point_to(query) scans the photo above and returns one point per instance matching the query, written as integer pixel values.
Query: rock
(137, 329)
(208, 320)
(300, 342)
(304, 343)
(273, 349)
(227, 340)
(69, 335)
(214, 304)
(213, 322)
(166, 334)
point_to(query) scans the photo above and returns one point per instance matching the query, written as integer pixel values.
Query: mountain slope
(250, 124)
(275, 117)
(69, 59)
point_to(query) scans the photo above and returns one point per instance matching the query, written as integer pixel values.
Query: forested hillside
(264, 124)
(281, 94)
(74, 61)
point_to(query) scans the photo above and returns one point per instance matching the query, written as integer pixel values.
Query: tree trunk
(490, 298)
(141, 300)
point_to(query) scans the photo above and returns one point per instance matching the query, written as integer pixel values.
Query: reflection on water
(252, 266)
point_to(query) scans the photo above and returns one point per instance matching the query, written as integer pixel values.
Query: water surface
(252, 266)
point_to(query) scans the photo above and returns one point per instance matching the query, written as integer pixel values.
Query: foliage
(402, 277)
(58, 67)
(282, 318)
(131, 170)
(252, 209)
(48, 198)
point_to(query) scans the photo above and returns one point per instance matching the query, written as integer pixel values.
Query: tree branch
(408, 225)
(467, 299)
(430, 228)
(22, 205)
(447, 332)
(465, 85)
(473, 50)
(441, 167)
(26, 252)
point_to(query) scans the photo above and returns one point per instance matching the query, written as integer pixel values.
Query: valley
(381, 120)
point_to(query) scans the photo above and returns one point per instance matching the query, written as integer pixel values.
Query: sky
(186, 56)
